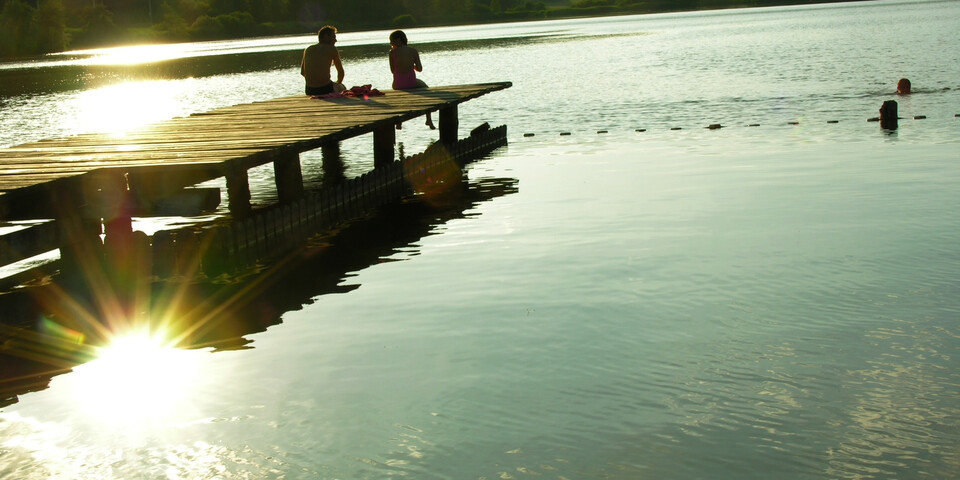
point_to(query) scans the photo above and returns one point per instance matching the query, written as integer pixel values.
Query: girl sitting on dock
(405, 63)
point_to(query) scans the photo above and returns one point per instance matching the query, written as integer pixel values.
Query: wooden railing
(274, 232)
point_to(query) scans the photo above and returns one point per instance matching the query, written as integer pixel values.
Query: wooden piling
(888, 115)
(288, 177)
(384, 137)
(238, 192)
(449, 124)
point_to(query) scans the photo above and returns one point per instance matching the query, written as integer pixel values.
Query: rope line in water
(717, 126)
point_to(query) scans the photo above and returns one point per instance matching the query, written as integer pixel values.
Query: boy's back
(315, 67)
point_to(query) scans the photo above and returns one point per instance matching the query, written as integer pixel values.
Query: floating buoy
(717, 126)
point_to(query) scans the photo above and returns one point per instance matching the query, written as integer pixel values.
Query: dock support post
(449, 124)
(330, 152)
(115, 207)
(888, 115)
(332, 164)
(288, 177)
(383, 139)
(238, 193)
(78, 232)
(80, 249)
(126, 253)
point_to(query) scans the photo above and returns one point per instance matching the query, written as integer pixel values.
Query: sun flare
(137, 379)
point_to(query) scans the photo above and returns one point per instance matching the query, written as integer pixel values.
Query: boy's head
(327, 34)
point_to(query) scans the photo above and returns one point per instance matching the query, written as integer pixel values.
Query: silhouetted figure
(903, 86)
(405, 63)
(888, 115)
(317, 59)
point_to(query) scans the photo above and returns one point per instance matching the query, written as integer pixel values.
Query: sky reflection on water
(758, 302)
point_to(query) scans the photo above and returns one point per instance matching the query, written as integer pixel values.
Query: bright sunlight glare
(125, 106)
(138, 54)
(136, 380)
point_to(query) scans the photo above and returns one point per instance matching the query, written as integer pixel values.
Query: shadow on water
(221, 315)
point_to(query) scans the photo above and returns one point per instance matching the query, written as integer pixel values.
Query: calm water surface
(770, 301)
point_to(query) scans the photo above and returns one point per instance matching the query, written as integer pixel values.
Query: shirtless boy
(315, 66)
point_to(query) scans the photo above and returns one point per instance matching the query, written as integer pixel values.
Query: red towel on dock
(364, 92)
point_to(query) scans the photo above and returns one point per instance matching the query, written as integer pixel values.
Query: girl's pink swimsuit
(405, 81)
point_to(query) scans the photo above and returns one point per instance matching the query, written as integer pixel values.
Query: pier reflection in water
(221, 315)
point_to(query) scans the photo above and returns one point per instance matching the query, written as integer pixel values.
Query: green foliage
(665, 5)
(96, 26)
(404, 21)
(224, 7)
(234, 24)
(529, 6)
(17, 35)
(188, 11)
(97, 17)
(50, 25)
(174, 26)
(592, 3)
(270, 10)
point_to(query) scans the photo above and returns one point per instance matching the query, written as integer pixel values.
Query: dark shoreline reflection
(233, 311)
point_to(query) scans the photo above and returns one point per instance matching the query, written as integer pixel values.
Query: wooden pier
(217, 280)
(94, 184)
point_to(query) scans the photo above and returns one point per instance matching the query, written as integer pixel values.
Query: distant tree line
(29, 27)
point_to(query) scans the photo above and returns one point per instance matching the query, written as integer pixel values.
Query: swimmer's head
(903, 86)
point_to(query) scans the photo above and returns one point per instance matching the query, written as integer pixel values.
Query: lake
(776, 298)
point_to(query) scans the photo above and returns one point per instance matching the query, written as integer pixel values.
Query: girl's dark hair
(398, 37)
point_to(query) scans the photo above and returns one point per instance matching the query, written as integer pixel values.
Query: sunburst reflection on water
(138, 379)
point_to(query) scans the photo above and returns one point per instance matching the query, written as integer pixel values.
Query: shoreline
(138, 35)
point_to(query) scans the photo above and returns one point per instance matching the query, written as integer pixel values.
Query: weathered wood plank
(235, 137)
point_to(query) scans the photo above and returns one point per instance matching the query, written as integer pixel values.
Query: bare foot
(399, 126)
(430, 123)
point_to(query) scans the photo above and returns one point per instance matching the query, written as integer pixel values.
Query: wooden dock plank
(238, 136)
